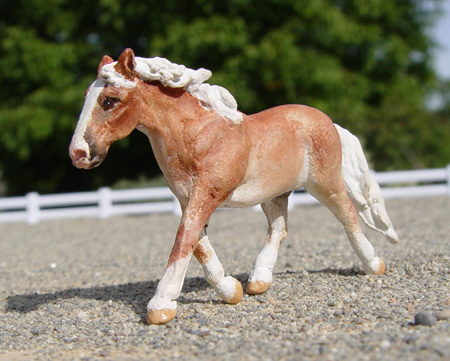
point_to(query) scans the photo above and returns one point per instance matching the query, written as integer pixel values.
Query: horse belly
(249, 195)
(269, 181)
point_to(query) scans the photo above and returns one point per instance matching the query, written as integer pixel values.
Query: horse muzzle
(80, 159)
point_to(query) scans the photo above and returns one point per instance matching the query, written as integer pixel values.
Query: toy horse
(214, 156)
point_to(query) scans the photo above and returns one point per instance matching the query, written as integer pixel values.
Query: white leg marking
(265, 262)
(365, 252)
(276, 213)
(169, 287)
(212, 267)
(214, 273)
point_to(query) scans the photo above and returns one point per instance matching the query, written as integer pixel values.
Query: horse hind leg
(261, 276)
(228, 288)
(340, 204)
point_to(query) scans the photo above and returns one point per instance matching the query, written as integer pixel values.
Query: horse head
(109, 112)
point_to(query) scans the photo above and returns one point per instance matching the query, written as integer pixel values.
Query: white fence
(105, 202)
(400, 184)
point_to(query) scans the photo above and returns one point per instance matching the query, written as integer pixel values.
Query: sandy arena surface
(78, 289)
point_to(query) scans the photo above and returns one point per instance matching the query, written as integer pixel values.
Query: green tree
(364, 63)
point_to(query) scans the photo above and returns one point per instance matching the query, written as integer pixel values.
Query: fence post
(448, 180)
(32, 210)
(104, 202)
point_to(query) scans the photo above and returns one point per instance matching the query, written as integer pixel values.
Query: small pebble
(103, 353)
(424, 318)
(443, 315)
(411, 338)
(200, 332)
(82, 316)
(399, 310)
(38, 331)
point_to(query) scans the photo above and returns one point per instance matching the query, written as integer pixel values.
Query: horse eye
(108, 103)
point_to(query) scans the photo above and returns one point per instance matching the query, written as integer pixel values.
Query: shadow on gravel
(347, 272)
(135, 294)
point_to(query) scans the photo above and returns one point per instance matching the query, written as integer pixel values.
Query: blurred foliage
(367, 64)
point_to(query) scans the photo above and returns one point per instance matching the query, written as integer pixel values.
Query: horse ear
(106, 60)
(126, 64)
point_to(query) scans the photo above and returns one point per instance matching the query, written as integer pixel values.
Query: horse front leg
(228, 288)
(162, 307)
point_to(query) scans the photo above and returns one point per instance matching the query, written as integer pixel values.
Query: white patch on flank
(78, 141)
(169, 287)
(174, 75)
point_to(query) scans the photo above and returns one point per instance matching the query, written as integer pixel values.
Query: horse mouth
(85, 163)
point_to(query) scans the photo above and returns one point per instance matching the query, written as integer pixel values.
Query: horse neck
(166, 108)
(169, 114)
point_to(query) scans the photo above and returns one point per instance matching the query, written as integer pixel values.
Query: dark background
(367, 64)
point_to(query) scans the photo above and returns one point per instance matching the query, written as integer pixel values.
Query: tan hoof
(381, 269)
(160, 317)
(238, 292)
(230, 290)
(257, 287)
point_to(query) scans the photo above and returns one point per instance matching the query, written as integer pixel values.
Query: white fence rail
(105, 202)
(400, 184)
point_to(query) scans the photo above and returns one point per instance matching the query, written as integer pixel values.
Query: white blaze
(78, 141)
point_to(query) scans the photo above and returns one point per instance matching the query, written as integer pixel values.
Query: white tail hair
(362, 187)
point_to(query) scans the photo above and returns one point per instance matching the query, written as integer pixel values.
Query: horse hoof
(382, 268)
(230, 290)
(257, 287)
(238, 293)
(377, 267)
(160, 317)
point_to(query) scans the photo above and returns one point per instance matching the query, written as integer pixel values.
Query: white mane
(178, 76)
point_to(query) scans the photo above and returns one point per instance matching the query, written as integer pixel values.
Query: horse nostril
(79, 154)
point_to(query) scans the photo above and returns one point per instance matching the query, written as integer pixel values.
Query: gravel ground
(78, 289)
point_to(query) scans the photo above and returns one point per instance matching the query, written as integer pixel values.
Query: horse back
(289, 143)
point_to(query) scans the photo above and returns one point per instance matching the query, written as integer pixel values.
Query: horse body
(214, 156)
(193, 146)
(279, 154)
(247, 163)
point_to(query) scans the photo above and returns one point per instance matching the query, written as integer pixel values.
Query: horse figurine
(214, 156)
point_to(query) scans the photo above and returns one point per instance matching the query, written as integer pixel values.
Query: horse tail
(362, 187)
